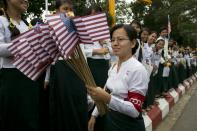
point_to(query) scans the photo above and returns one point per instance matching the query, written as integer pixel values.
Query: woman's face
(164, 33)
(160, 45)
(152, 38)
(144, 36)
(19, 5)
(65, 8)
(121, 44)
(136, 27)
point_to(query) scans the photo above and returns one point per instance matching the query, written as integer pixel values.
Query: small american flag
(33, 52)
(169, 25)
(92, 28)
(65, 33)
(82, 31)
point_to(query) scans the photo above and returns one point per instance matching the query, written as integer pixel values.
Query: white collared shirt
(147, 54)
(156, 59)
(5, 41)
(131, 77)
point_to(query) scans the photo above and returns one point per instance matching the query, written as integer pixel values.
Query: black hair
(97, 8)
(36, 20)
(163, 28)
(13, 29)
(59, 3)
(144, 29)
(153, 32)
(131, 33)
(137, 23)
(1, 12)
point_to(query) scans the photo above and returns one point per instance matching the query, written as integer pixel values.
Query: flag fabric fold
(92, 28)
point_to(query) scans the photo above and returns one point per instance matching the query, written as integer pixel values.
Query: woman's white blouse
(88, 49)
(132, 77)
(148, 54)
(5, 41)
(156, 59)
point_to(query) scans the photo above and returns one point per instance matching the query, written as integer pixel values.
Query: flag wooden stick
(78, 63)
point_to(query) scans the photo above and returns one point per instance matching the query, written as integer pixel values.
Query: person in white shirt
(149, 65)
(19, 96)
(138, 27)
(127, 84)
(148, 51)
(164, 35)
(143, 39)
(155, 79)
(98, 60)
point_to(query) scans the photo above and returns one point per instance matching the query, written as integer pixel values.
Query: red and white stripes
(92, 28)
(35, 49)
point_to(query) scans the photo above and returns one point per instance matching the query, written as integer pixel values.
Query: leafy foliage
(183, 14)
(183, 17)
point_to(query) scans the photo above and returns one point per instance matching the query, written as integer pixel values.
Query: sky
(129, 1)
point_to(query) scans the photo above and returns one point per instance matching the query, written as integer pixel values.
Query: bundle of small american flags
(37, 48)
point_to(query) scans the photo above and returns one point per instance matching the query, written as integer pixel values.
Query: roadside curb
(155, 116)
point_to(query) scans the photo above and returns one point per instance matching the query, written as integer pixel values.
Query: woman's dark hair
(59, 3)
(152, 32)
(96, 8)
(1, 12)
(35, 21)
(137, 23)
(131, 33)
(145, 29)
(13, 29)
(163, 28)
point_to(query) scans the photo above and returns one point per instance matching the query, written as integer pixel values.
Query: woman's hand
(98, 94)
(91, 123)
(101, 51)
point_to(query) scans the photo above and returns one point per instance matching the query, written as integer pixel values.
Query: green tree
(183, 16)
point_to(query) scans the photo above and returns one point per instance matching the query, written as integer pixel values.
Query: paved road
(183, 116)
(188, 118)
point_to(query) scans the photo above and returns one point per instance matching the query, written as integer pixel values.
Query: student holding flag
(67, 92)
(19, 96)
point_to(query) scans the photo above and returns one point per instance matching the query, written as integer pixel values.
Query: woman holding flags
(126, 85)
(19, 96)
